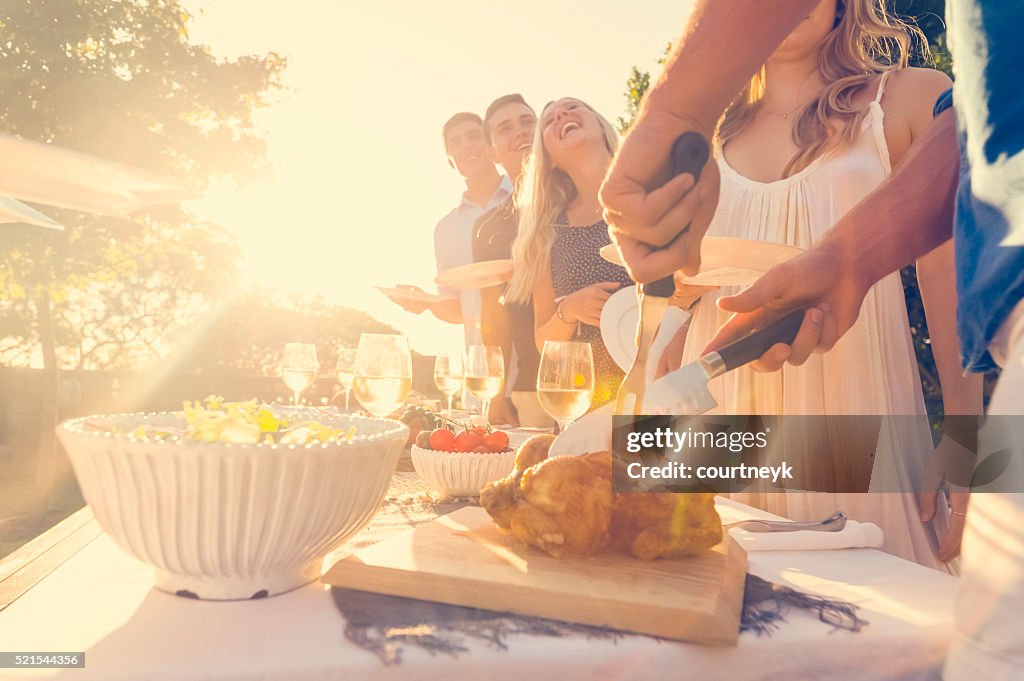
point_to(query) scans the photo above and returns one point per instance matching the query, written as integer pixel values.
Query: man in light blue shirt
(470, 155)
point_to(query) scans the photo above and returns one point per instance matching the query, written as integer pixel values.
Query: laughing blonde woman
(561, 232)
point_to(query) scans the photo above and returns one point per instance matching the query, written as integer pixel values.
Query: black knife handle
(749, 348)
(689, 154)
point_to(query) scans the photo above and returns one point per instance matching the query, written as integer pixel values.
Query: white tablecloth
(102, 602)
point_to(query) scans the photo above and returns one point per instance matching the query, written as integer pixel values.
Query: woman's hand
(949, 545)
(585, 305)
(953, 464)
(413, 306)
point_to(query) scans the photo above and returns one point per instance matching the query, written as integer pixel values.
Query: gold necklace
(786, 114)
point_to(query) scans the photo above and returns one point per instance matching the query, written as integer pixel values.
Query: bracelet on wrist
(558, 313)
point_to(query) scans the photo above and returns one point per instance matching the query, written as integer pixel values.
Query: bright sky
(360, 175)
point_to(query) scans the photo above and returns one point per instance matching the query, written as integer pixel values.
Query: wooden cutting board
(463, 559)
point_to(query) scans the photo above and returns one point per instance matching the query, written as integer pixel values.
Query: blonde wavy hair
(544, 193)
(866, 41)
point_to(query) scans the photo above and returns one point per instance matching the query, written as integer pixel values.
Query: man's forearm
(910, 214)
(724, 44)
(448, 310)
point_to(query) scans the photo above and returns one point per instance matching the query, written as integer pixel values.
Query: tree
(928, 15)
(123, 81)
(637, 84)
(247, 333)
(636, 87)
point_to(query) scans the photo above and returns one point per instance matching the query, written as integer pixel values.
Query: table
(101, 601)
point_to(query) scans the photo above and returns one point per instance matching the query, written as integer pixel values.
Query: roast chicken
(566, 506)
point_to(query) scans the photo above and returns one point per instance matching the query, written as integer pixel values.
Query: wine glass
(346, 371)
(485, 372)
(383, 372)
(298, 368)
(565, 380)
(448, 375)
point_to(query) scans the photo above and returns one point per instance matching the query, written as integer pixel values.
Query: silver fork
(630, 397)
(833, 523)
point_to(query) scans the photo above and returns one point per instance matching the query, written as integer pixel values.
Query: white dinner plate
(476, 275)
(517, 436)
(410, 294)
(727, 261)
(619, 318)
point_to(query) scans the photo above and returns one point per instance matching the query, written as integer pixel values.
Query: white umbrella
(16, 211)
(45, 173)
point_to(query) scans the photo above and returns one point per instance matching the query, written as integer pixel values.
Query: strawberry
(442, 440)
(496, 441)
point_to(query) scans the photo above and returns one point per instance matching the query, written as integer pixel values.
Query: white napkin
(855, 535)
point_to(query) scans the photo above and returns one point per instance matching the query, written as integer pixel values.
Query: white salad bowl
(227, 521)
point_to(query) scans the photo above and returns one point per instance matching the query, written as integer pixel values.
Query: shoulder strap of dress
(874, 120)
(881, 87)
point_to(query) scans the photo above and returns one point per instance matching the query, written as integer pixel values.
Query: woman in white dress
(822, 125)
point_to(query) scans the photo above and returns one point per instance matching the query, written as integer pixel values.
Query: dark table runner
(384, 624)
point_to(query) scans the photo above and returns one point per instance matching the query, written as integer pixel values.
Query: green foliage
(248, 332)
(929, 16)
(637, 84)
(122, 80)
(636, 87)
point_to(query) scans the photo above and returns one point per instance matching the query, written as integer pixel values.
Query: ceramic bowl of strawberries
(458, 460)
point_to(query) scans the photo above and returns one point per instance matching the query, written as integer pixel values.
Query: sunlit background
(121, 315)
(115, 316)
(360, 175)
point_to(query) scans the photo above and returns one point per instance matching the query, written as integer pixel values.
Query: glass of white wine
(485, 372)
(298, 368)
(346, 371)
(383, 372)
(448, 375)
(565, 380)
